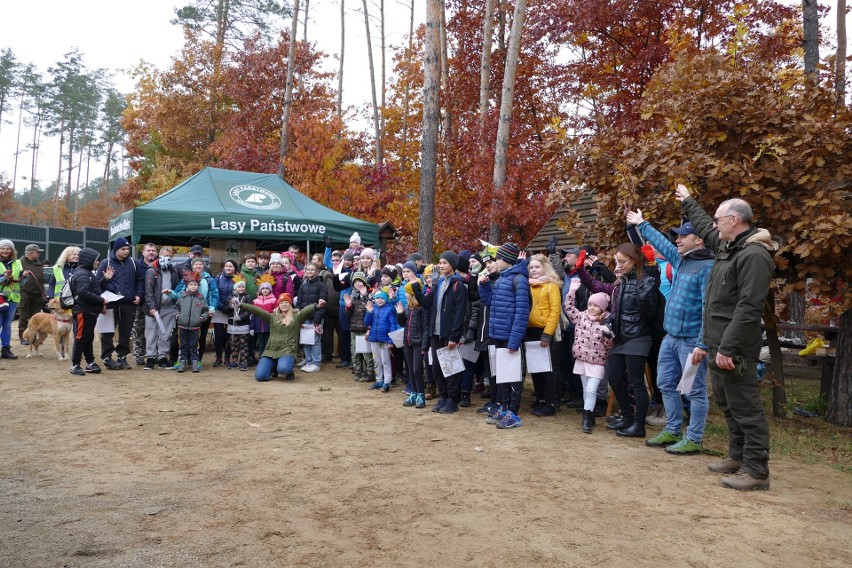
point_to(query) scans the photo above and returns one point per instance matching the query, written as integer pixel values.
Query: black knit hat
(508, 252)
(450, 257)
(464, 261)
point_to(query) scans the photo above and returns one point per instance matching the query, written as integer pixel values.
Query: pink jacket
(590, 344)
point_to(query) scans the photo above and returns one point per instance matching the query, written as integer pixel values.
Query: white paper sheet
(508, 366)
(538, 357)
(307, 334)
(450, 360)
(362, 345)
(492, 359)
(429, 357)
(688, 377)
(111, 296)
(106, 322)
(398, 337)
(160, 323)
(468, 352)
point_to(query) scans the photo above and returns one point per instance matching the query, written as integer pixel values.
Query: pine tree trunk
(406, 98)
(840, 396)
(376, 126)
(342, 50)
(840, 59)
(485, 69)
(305, 22)
(810, 37)
(501, 149)
(288, 94)
(445, 91)
(431, 119)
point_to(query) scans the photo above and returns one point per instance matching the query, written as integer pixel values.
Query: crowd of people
(672, 308)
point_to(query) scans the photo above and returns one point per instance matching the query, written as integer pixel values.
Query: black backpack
(66, 296)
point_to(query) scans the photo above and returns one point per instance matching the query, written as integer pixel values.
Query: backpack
(66, 296)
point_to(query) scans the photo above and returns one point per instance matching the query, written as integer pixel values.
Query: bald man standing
(736, 291)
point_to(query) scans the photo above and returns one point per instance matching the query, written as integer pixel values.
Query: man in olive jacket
(736, 291)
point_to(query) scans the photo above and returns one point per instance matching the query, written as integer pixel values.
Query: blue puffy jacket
(382, 321)
(126, 280)
(509, 299)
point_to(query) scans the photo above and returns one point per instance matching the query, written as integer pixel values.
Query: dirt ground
(152, 468)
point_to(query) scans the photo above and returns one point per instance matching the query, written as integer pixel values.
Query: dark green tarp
(227, 204)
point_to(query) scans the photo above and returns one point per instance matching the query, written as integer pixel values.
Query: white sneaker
(302, 363)
(311, 368)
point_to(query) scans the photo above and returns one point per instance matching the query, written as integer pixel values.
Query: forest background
(483, 120)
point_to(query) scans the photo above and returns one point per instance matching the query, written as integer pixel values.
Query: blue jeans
(7, 316)
(674, 356)
(313, 353)
(264, 367)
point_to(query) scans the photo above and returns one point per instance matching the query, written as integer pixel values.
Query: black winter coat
(312, 291)
(634, 302)
(416, 324)
(86, 287)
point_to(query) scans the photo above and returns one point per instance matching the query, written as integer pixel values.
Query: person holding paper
(381, 320)
(447, 303)
(88, 304)
(311, 291)
(415, 321)
(546, 309)
(160, 279)
(592, 341)
(691, 262)
(284, 324)
(509, 299)
(356, 309)
(129, 283)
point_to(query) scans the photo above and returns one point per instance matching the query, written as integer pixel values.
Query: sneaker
(181, 367)
(407, 390)
(175, 366)
(657, 418)
(496, 415)
(311, 368)
(613, 418)
(78, 370)
(545, 410)
(727, 465)
(217, 362)
(343, 364)
(411, 400)
(365, 379)
(243, 366)
(377, 385)
(486, 408)
(664, 438)
(93, 368)
(440, 405)
(386, 387)
(140, 361)
(302, 363)
(24, 342)
(743, 481)
(511, 420)
(163, 363)
(684, 447)
(449, 407)
(231, 365)
(420, 402)
(196, 367)
(123, 364)
(149, 364)
(110, 364)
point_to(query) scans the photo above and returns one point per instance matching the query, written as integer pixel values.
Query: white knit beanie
(275, 257)
(355, 238)
(8, 243)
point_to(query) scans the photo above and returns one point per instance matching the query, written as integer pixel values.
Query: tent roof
(228, 204)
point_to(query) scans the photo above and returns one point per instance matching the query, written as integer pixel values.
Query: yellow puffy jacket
(546, 306)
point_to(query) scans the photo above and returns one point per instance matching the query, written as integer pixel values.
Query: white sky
(118, 34)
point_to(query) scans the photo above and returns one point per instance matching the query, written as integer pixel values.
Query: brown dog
(56, 323)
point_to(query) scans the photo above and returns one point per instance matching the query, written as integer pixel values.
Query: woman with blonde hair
(62, 270)
(545, 311)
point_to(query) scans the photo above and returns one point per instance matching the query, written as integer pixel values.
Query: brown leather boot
(727, 465)
(743, 481)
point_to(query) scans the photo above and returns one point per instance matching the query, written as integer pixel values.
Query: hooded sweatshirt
(87, 288)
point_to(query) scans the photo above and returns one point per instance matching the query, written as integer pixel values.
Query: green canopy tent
(226, 204)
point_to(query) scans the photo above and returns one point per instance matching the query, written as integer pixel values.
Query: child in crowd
(356, 309)
(88, 304)
(415, 344)
(238, 326)
(381, 320)
(283, 282)
(193, 311)
(592, 341)
(267, 301)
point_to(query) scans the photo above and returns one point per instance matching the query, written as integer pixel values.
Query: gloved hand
(326, 241)
(551, 244)
(581, 259)
(648, 253)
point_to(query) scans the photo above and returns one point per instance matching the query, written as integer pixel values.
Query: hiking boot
(411, 400)
(743, 481)
(440, 405)
(658, 418)
(420, 402)
(181, 367)
(196, 368)
(685, 447)
(6, 353)
(110, 364)
(664, 438)
(465, 400)
(78, 370)
(123, 364)
(449, 407)
(636, 430)
(149, 364)
(163, 363)
(510, 420)
(92, 368)
(727, 465)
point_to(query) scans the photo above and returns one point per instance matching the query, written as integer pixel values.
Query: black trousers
(624, 369)
(125, 315)
(84, 337)
(448, 387)
(509, 394)
(414, 362)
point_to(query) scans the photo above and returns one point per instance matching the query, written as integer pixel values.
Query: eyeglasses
(717, 219)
